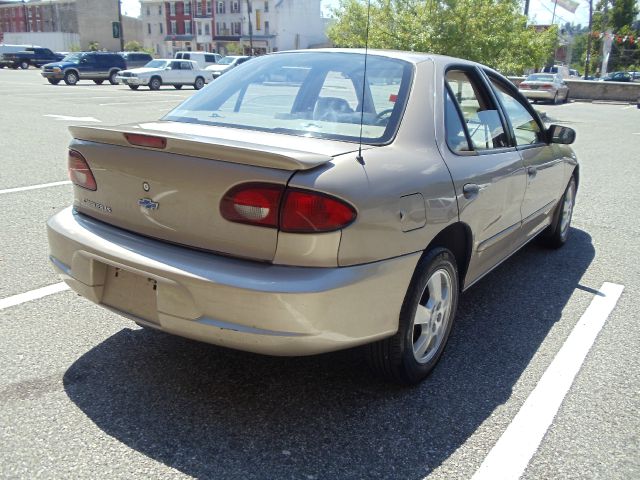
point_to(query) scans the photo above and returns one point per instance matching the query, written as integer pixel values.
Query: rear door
(487, 171)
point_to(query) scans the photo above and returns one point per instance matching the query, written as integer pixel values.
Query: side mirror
(560, 134)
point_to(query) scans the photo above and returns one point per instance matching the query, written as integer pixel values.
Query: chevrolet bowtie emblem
(148, 204)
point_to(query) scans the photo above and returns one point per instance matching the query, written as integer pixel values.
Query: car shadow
(212, 412)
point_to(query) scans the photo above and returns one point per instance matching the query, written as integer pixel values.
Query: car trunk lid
(174, 193)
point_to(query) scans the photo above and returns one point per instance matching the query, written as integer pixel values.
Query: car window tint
(483, 121)
(185, 66)
(210, 58)
(456, 136)
(525, 128)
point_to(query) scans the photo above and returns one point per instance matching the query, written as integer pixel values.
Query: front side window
(480, 115)
(526, 129)
(316, 94)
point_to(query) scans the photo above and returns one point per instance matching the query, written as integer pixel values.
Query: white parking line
(32, 295)
(510, 456)
(66, 118)
(35, 187)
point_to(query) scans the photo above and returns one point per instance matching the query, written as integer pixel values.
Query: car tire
(112, 77)
(155, 83)
(425, 322)
(177, 87)
(134, 87)
(199, 83)
(71, 78)
(556, 234)
(53, 81)
(98, 82)
(566, 97)
(24, 65)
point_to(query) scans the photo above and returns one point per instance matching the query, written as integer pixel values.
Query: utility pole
(120, 22)
(249, 10)
(588, 58)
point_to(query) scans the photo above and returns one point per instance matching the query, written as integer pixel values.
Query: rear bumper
(257, 307)
(539, 94)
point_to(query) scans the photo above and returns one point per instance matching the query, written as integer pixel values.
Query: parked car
(96, 66)
(574, 73)
(204, 59)
(166, 72)
(8, 48)
(617, 77)
(545, 86)
(561, 70)
(31, 56)
(136, 59)
(226, 64)
(282, 219)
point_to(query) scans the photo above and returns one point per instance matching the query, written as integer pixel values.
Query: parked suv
(136, 59)
(96, 66)
(36, 56)
(204, 59)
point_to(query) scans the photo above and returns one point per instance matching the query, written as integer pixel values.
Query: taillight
(79, 172)
(290, 209)
(305, 211)
(146, 140)
(253, 203)
(524, 85)
(546, 85)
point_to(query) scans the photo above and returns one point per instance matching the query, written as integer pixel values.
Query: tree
(492, 32)
(94, 46)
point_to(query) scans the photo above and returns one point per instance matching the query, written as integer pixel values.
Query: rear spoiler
(206, 147)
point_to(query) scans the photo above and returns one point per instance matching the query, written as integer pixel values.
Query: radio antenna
(359, 158)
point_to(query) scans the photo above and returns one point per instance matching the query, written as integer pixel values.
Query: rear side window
(481, 117)
(456, 135)
(210, 58)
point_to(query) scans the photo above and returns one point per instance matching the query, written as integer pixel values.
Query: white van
(204, 59)
(4, 48)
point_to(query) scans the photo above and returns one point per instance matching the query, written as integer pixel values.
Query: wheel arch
(457, 238)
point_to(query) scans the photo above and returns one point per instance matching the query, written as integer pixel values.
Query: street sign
(115, 29)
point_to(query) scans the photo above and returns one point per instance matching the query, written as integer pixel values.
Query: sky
(540, 11)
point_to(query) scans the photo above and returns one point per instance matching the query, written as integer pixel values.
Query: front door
(487, 171)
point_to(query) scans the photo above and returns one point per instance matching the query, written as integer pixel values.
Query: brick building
(90, 19)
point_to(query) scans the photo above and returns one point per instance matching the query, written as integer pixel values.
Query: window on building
(149, 28)
(207, 30)
(209, 7)
(187, 8)
(198, 8)
(187, 27)
(161, 28)
(235, 7)
(160, 9)
(148, 10)
(199, 24)
(266, 6)
(220, 7)
(173, 28)
(266, 28)
(218, 31)
(258, 20)
(236, 28)
(172, 9)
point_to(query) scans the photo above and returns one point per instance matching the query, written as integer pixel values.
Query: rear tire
(98, 82)
(556, 234)
(53, 81)
(71, 78)
(566, 97)
(425, 321)
(134, 87)
(155, 83)
(112, 77)
(24, 65)
(199, 83)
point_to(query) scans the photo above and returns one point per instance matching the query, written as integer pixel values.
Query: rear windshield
(540, 78)
(319, 94)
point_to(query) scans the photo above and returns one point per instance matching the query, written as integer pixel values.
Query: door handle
(470, 190)
(532, 171)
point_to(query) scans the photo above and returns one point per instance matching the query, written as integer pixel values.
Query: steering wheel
(383, 116)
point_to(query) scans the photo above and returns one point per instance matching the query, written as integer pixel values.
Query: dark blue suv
(96, 66)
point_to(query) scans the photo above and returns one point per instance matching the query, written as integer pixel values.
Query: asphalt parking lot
(85, 393)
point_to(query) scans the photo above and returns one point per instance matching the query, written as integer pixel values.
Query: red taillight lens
(79, 172)
(291, 210)
(306, 212)
(524, 85)
(253, 203)
(146, 140)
